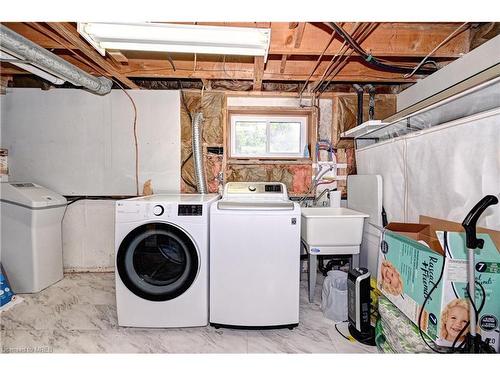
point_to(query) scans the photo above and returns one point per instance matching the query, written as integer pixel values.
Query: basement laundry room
(218, 187)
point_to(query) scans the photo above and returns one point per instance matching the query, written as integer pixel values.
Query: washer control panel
(255, 190)
(190, 210)
(158, 210)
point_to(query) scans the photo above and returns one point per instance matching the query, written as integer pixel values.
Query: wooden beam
(36, 36)
(483, 33)
(299, 33)
(118, 57)
(207, 84)
(283, 63)
(296, 70)
(10, 70)
(389, 40)
(258, 73)
(4, 83)
(69, 33)
(65, 44)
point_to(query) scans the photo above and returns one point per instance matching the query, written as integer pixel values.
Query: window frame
(302, 117)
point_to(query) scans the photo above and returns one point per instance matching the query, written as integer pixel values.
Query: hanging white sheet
(440, 172)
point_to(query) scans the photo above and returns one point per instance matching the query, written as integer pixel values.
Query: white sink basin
(332, 227)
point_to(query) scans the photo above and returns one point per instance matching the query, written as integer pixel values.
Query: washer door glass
(157, 262)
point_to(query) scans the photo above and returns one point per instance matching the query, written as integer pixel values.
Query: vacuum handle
(470, 221)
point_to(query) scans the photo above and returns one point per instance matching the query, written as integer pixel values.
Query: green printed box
(408, 270)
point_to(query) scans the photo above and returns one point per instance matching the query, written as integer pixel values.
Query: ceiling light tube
(177, 38)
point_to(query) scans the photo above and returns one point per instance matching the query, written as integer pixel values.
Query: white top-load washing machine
(161, 244)
(31, 243)
(254, 257)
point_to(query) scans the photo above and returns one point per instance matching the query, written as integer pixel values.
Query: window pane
(250, 138)
(284, 137)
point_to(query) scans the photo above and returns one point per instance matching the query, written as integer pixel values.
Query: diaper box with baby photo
(410, 264)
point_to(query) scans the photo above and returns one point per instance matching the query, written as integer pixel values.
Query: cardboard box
(417, 232)
(410, 263)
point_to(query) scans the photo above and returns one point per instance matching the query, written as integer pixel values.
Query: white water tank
(31, 244)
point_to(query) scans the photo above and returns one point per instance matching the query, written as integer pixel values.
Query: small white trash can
(334, 296)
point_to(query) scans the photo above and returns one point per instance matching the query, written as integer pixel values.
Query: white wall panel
(78, 143)
(440, 172)
(387, 160)
(452, 168)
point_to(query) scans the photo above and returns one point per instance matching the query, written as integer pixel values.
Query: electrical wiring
(446, 40)
(342, 50)
(317, 63)
(363, 35)
(340, 333)
(453, 348)
(350, 338)
(92, 197)
(370, 58)
(476, 313)
(136, 142)
(169, 58)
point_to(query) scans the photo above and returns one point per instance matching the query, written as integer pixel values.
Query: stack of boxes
(411, 260)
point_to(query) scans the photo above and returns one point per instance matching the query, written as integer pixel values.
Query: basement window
(268, 136)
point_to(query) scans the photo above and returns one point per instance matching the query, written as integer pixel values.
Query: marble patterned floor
(78, 315)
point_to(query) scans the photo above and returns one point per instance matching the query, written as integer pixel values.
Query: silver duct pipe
(199, 170)
(24, 49)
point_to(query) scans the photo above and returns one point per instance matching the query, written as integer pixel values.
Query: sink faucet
(315, 200)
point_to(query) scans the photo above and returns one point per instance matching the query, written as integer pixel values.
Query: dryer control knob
(252, 188)
(158, 210)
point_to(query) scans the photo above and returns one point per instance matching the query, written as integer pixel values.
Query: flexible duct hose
(199, 170)
(25, 49)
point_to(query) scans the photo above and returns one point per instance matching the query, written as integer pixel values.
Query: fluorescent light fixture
(12, 59)
(165, 37)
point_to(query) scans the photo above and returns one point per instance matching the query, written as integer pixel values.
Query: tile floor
(78, 315)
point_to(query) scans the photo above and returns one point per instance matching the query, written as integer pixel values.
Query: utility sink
(327, 227)
(330, 231)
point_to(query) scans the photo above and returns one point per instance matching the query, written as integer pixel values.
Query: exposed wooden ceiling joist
(296, 50)
(68, 31)
(390, 39)
(118, 57)
(299, 33)
(258, 73)
(283, 64)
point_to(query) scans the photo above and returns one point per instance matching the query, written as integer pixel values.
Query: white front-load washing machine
(161, 248)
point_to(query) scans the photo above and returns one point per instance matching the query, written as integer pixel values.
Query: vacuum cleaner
(474, 343)
(359, 306)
